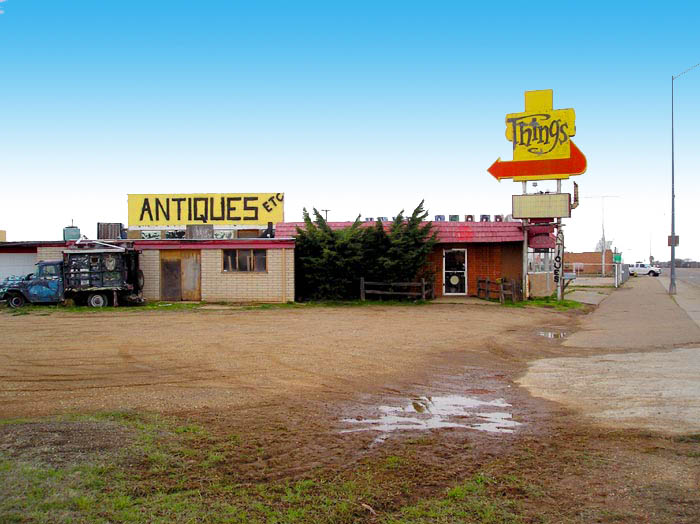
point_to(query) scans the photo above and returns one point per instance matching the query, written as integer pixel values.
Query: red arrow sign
(574, 165)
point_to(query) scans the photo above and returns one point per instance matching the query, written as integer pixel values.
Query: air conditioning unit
(485, 218)
(369, 219)
(383, 219)
(454, 218)
(498, 218)
(439, 218)
(469, 218)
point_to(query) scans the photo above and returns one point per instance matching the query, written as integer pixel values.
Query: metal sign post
(559, 263)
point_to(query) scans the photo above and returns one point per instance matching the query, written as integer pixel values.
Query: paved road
(649, 374)
(689, 276)
(688, 291)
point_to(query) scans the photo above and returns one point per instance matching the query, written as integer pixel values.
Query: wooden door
(180, 275)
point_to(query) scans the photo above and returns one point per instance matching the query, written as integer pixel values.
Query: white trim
(466, 273)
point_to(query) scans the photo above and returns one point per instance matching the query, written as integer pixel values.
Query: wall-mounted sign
(542, 146)
(208, 208)
(673, 241)
(549, 205)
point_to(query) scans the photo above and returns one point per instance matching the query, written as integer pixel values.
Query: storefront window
(245, 260)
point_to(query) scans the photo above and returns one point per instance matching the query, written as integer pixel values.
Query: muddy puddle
(437, 412)
(553, 334)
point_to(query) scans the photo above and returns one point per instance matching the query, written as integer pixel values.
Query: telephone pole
(603, 243)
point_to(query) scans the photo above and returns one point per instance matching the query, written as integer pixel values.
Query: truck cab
(44, 286)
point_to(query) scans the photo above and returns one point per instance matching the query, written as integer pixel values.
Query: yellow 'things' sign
(541, 132)
(219, 209)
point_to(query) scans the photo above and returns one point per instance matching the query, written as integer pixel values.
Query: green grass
(179, 472)
(49, 309)
(548, 302)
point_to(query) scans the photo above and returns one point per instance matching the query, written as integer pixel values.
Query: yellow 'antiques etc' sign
(207, 208)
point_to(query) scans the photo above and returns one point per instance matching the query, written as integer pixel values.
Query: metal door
(180, 275)
(454, 272)
(191, 267)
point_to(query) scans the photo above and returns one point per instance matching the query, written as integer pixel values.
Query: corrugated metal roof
(448, 232)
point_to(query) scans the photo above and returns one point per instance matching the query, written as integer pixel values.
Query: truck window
(48, 271)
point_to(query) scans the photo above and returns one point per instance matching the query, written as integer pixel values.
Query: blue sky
(357, 107)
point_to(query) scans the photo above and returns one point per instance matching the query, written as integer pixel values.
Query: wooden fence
(422, 289)
(500, 289)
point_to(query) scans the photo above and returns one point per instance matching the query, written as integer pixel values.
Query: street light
(672, 285)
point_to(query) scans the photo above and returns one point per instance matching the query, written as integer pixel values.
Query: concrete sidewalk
(687, 297)
(639, 315)
(642, 381)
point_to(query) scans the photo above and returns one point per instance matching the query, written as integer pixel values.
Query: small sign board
(617, 258)
(552, 205)
(673, 240)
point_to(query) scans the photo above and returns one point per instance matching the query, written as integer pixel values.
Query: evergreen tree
(330, 263)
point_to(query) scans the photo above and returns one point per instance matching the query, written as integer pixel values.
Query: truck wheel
(97, 300)
(16, 301)
(140, 280)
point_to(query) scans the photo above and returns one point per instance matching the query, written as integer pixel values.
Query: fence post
(422, 288)
(362, 288)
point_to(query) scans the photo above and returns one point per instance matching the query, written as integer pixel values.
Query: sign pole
(560, 253)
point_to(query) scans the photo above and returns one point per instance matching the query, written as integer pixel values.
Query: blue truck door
(47, 285)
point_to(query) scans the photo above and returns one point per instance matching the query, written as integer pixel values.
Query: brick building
(465, 252)
(235, 270)
(588, 263)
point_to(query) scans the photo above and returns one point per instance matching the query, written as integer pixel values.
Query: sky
(363, 108)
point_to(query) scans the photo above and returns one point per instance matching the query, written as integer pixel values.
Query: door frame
(466, 273)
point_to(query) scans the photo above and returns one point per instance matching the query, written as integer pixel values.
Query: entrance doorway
(180, 275)
(454, 272)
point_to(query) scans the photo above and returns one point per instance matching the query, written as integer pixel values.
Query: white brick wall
(275, 285)
(149, 262)
(49, 253)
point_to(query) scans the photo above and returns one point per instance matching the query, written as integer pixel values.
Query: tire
(653, 274)
(96, 300)
(139, 280)
(16, 301)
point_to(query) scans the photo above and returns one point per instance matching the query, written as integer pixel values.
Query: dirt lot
(281, 415)
(218, 360)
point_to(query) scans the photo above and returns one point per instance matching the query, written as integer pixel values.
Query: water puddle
(552, 334)
(450, 411)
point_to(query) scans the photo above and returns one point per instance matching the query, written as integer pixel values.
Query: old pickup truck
(93, 276)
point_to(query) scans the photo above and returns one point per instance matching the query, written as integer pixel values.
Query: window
(245, 260)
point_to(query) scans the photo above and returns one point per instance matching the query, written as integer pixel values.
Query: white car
(640, 268)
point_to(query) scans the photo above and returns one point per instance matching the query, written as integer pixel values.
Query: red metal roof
(235, 243)
(448, 232)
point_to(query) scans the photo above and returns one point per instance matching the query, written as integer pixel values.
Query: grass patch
(548, 303)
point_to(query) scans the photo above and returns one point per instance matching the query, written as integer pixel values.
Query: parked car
(640, 268)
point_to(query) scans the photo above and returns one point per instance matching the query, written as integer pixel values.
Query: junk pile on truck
(95, 274)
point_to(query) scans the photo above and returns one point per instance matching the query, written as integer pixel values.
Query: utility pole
(603, 243)
(672, 285)
(326, 212)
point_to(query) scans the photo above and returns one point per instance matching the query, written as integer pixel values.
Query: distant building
(588, 262)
